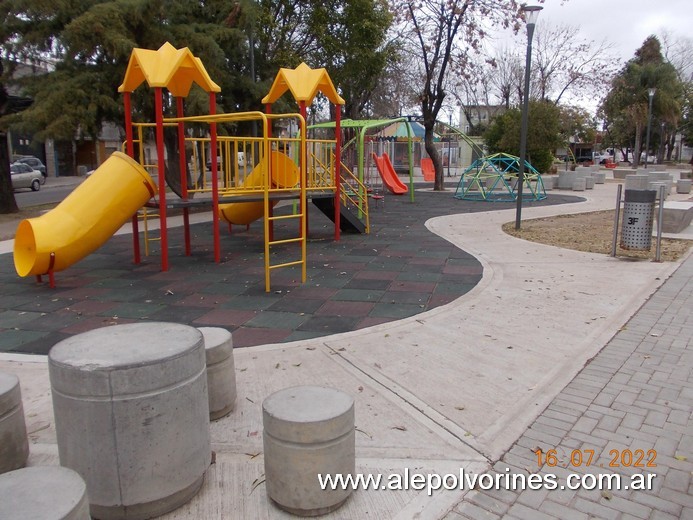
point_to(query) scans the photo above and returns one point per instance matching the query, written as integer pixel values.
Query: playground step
(348, 221)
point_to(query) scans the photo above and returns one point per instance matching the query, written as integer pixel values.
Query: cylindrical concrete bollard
(308, 431)
(579, 184)
(132, 417)
(221, 371)
(566, 180)
(43, 492)
(14, 445)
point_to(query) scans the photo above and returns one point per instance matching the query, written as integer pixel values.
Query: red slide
(387, 172)
(427, 169)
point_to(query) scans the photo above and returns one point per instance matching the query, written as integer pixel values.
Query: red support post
(130, 149)
(303, 166)
(215, 179)
(183, 174)
(337, 170)
(270, 225)
(161, 171)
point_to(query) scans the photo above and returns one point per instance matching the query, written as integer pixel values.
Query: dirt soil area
(592, 233)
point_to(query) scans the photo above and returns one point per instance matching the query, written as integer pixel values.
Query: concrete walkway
(457, 386)
(636, 394)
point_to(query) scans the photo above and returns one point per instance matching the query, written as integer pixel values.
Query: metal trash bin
(638, 217)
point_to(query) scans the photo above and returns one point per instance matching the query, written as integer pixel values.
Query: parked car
(24, 176)
(584, 159)
(35, 164)
(602, 158)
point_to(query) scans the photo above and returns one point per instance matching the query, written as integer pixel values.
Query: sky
(622, 24)
(625, 23)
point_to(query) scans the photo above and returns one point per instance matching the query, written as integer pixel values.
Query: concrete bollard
(600, 177)
(132, 416)
(683, 186)
(637, 182)
(43, 492)
(14, 445)
(565, 180)
(221, 371)
(579, 184)
(589, 182)
(308, 431)
(549, 181)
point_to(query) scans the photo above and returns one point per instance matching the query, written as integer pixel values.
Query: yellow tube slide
(85, 220)
(284, 173)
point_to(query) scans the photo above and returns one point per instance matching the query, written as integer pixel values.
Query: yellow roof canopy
(304, 84)
(167, 67)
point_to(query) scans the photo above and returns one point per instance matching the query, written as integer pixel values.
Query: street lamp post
(531, 15)
(651, 93)
(449, 144)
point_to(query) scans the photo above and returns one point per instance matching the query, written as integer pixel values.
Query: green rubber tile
(52, 321)
(330, 324)
(361, 283)
(243, 302)
(359, 295)
(296, 305)
(409, 297)
(12, 339)
(228, 318)
(413, 276)
(277, 320)
(134, 310)
(395, 311)
(177, 314)
(45, 304)
(11, 319)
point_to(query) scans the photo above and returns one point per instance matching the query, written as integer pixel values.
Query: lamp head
(531, 13)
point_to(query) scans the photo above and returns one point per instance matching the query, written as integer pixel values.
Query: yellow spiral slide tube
(85, 219)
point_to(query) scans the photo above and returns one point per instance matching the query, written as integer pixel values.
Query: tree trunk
(8, 204)
(637, 149)
(432, 152)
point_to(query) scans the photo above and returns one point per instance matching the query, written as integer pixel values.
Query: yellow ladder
(144, 215)
(300, 240)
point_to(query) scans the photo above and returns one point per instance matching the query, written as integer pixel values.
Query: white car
(601, 158)
(24, 176)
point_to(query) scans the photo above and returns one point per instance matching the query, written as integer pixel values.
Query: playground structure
(364, 146)
(494, 178)
(272, 168)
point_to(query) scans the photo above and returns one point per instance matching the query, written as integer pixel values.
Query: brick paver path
(636, 394)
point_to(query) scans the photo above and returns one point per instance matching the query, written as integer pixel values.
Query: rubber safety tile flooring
(398, 270)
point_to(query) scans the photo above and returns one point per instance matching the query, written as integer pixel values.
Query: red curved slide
(387, 172)
(427, 169)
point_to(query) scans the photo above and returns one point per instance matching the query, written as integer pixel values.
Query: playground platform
(463, 347)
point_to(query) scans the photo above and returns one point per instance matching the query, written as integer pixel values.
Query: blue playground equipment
(493, 178)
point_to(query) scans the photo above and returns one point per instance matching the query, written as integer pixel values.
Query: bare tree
(442, 33)
(679, 52)
(564, 63)
(507, 70)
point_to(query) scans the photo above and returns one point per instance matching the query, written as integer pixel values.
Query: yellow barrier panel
(285, 174)
(85, 220)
